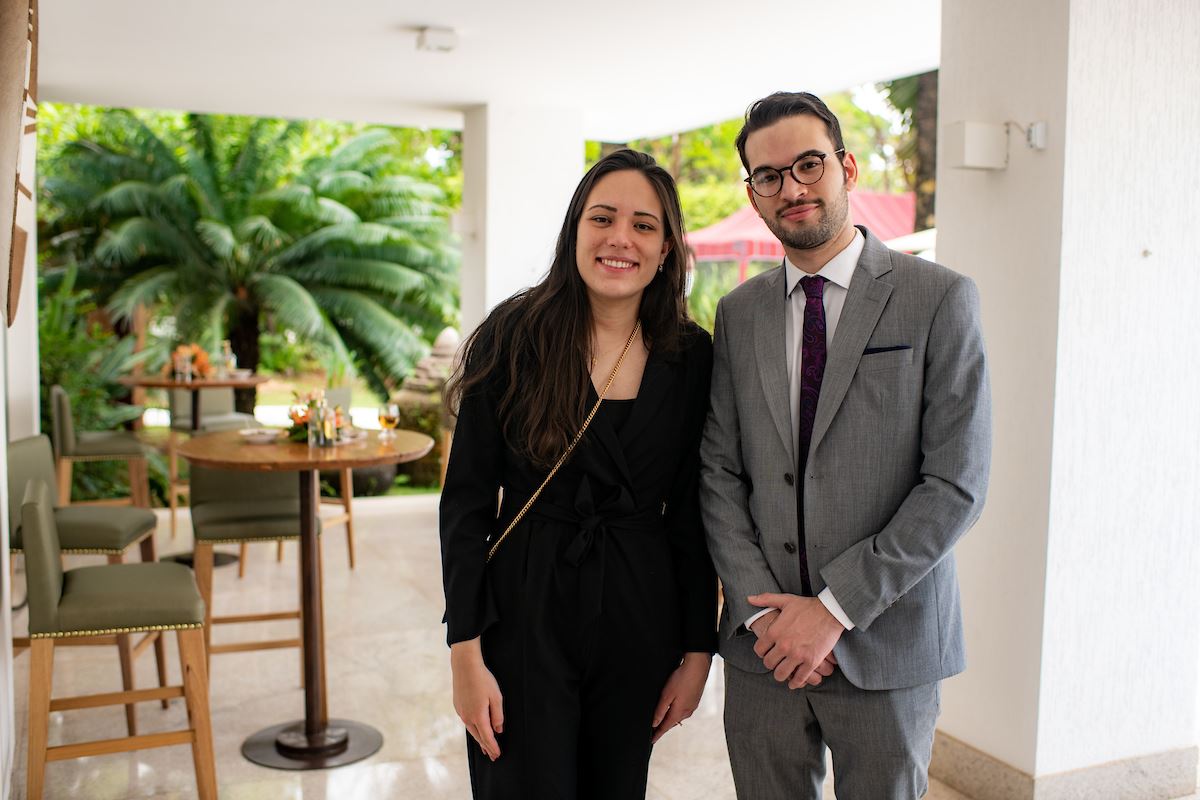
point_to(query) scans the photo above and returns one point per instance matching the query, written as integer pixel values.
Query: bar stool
(231, 507)
(70, 447)
(87, 530)
(216, 414)
(91, 601)
(216, 410)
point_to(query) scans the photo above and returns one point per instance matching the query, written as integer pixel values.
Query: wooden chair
(87, 530)
(70, 447)
(345, 501)
(230, 507)
(216, 414)
(104, 600)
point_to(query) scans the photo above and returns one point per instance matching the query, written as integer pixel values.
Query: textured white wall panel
(1120, 666)
(1007, 61)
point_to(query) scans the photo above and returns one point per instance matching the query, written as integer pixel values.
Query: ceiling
(634, 70)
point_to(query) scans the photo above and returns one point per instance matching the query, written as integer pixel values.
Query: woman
(590, 632)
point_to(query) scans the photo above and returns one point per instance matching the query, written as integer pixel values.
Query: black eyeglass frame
(791, 170)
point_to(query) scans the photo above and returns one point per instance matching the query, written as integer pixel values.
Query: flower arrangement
(304, 407)
(189, 355)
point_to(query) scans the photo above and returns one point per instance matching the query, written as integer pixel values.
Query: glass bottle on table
(228, 359)
(328, 423)
(389, 418)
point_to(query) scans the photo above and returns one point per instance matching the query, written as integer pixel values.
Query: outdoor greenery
(424, 415)
(79, 354)
(226, 227)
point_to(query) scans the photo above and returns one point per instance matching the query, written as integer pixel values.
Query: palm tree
(218, 225)
(915, 97)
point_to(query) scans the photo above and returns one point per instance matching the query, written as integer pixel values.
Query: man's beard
(831, 220)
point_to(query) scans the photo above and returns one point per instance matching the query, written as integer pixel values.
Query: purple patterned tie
(812, 365)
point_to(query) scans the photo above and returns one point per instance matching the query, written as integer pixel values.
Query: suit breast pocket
(889, 359)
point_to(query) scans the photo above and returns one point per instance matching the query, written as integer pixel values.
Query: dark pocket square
(871, 350)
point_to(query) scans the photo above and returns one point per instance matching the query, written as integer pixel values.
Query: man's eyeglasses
(807, 169)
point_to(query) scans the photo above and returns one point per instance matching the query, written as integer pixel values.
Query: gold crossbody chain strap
(571, 447)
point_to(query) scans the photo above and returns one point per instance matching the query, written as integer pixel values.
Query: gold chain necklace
(571, 447)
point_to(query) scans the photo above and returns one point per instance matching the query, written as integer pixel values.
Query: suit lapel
(864, 304)
(770, 347)
(656, 381)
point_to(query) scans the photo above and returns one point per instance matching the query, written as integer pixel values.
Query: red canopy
(744, 237)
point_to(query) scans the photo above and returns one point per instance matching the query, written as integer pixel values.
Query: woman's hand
(681, 696)
(477, 698)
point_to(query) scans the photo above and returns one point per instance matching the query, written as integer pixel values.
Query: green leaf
(218, 237)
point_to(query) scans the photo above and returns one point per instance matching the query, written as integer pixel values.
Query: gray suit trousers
(881, 740)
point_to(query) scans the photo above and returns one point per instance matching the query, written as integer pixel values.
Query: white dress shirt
(838, 272)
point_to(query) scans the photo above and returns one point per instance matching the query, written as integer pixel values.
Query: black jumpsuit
(591, 601)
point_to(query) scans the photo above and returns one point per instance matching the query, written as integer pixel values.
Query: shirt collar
(839, 269)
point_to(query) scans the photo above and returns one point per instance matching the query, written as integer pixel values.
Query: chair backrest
(339, 396)
(43, 559)
(28, 459)
(212, 401)
(61, 421)
(223, 485)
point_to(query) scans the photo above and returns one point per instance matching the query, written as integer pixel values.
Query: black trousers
(578, 695)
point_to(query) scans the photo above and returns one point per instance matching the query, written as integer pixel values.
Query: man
(846, 451)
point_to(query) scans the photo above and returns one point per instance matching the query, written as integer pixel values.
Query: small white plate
(261, 435)
(240, 373)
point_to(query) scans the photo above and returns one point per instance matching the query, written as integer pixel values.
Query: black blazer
(623, 511)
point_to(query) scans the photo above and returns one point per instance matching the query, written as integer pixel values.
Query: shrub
(86, 359)
(422, 413)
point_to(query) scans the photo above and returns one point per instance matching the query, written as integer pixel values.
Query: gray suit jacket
(896, 473)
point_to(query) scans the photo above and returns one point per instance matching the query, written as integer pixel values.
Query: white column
(520, 166)
(1081, 583)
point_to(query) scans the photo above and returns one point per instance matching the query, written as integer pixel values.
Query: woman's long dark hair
(534, 347)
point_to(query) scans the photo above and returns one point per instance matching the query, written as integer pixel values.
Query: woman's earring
(660, 265)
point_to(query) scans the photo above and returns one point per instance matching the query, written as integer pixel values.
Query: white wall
(520, 166)
(1123, 585)
(1080, 590)
(7, 722)
(1003, 229)
(13, 27)
(21, 345)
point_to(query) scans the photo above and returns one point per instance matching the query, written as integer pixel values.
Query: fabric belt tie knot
(595, 524)
(590, 529)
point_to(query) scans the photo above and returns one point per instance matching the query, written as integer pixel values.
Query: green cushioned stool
(71, 446)
(86, 530)
(91, 602)
(236, 507)
(216, 414)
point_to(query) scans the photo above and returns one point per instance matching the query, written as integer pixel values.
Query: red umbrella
(744, 237)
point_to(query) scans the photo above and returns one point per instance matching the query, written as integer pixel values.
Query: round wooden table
(315, 742)
(194, 386)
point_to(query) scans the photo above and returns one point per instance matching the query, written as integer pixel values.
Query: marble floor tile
(387, 666)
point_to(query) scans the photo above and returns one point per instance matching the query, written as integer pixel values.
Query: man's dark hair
(781, 105)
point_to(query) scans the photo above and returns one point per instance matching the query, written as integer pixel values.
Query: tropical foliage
(230, 226)
(914, 99)
(79, 354)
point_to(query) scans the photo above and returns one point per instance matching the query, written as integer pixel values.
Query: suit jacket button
(791, 548)
(787, 477)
